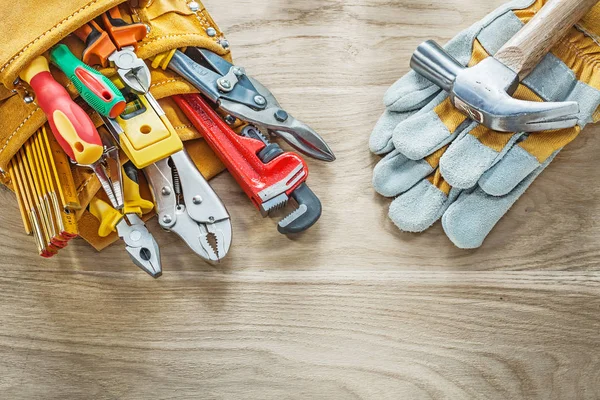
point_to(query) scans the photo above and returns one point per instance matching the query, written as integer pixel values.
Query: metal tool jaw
(245, 98)
(269, 176)
(140, 244)
(132, 70)
(188, 206)
(483, 93)
(108, 172)
(278, 194)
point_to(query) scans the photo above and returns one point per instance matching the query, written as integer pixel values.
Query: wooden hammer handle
(525, 50)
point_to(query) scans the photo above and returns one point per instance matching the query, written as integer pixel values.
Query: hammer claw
(551, 125)
(527, 116)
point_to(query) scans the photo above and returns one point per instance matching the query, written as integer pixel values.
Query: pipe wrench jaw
(268, 175)
(305, 216)
(292, 186)
(308, 209)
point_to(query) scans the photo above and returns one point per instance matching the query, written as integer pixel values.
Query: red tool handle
(238, 153)
(72, 127)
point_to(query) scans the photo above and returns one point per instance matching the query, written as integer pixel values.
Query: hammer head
(484, 93)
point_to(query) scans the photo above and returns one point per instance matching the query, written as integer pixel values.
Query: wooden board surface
(353, 308)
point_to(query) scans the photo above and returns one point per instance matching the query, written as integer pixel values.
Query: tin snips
(244, 98)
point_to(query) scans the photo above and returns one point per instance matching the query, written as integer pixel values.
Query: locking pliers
(188, 206)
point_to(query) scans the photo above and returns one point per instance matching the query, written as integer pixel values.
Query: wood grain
(525, 50)
(353, 308)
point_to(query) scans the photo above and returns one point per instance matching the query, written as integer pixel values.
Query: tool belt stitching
(203, 20)
(18, 128)
(44, 34)
(168, 36)
(84, 184)
(167, 81)
(189, 126)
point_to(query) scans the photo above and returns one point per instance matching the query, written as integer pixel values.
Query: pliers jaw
(218, 238)
(210, 242)
(132, 70)
(188, 206)
(140, 244)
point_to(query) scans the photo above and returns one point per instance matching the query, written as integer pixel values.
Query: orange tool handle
(98, 45)
(72, 127)
(122, 33)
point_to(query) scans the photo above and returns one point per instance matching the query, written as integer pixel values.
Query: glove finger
(426, 132)
(473, 215)
(524, 158)
(396, 174)
(420, 207)
(536, 148)
(411, 92)
(436, 123)
(471, 155)
(381, 138)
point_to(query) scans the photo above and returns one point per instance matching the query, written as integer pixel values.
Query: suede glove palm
(440, 164)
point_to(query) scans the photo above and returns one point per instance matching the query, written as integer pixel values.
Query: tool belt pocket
(26, 36)
(175, 24)
(171, 24)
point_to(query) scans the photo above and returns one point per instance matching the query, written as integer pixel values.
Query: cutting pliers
(188, 206)
(245, 98)
(139, 242)
(116, 44)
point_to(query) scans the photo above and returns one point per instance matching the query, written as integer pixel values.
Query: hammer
(484, 92)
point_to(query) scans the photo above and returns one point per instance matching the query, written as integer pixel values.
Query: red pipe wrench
(268, 175)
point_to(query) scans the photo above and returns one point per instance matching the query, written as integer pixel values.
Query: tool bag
(30, 28)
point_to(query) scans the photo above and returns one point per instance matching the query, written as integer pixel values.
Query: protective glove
(440, 164)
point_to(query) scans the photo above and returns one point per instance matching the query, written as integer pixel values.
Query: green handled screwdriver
(96, 89)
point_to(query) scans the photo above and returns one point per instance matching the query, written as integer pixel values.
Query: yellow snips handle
(107, 215)
(134, 203)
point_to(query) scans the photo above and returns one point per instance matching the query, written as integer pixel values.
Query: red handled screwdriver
(72, 127)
